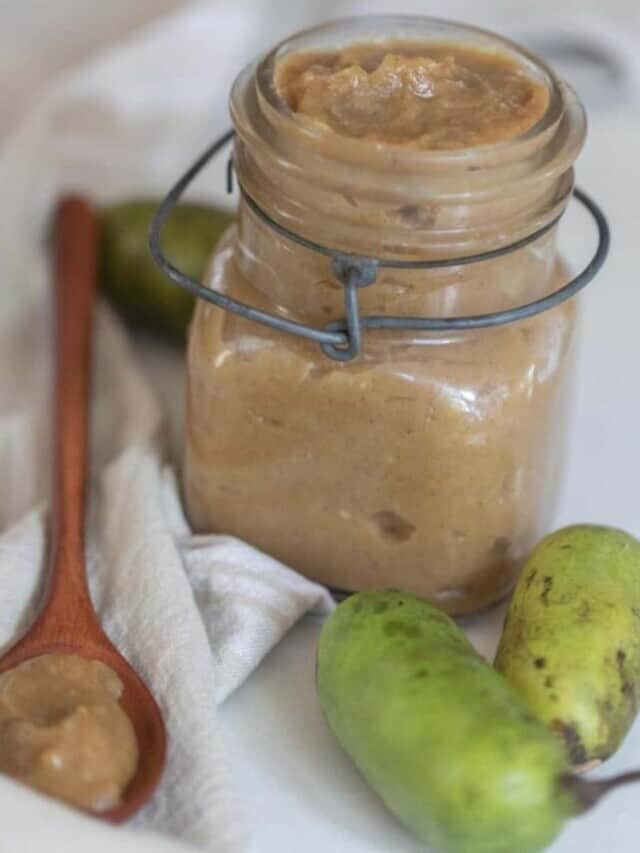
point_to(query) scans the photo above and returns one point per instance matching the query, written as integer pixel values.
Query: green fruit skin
(129, 275)
(571, 641)
(445, 742)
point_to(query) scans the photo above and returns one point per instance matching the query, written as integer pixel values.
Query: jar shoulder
(505, 355)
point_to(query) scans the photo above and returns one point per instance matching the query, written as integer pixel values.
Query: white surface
(297, 782)
(300, 791)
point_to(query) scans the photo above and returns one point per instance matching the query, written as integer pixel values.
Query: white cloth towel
(193, 614)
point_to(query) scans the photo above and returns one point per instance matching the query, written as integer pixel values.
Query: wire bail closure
(342, 339)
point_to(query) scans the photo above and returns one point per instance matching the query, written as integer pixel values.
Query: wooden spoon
(67, 621)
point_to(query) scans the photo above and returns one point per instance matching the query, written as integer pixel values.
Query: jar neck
(300, 284)
(391, 201)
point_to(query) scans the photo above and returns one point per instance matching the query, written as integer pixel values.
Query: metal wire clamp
(342, 340)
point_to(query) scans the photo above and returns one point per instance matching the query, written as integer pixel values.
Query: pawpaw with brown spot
(571, 643)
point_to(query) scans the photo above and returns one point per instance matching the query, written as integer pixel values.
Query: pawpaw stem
(589, 792)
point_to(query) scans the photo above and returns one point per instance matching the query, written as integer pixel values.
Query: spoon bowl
(136, 701)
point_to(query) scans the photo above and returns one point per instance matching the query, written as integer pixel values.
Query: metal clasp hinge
(352, 272)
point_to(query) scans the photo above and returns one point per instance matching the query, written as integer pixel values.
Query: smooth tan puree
(63, 731)
(436, 96)
(431, 461)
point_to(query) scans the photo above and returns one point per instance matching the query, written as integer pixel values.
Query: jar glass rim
(383, 27)
(330, 187)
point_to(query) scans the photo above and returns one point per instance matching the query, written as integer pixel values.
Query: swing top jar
(430, 461)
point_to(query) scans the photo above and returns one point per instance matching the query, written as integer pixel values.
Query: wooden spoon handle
(75, 252)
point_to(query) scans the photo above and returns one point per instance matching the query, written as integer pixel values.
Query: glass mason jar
(430, 462)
